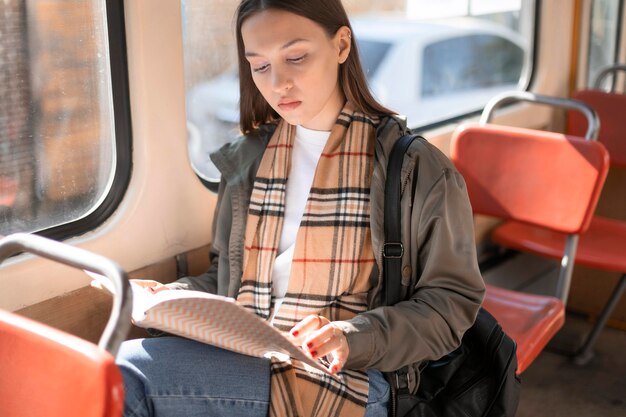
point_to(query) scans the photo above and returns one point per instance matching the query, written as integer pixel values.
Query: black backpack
(476, 380)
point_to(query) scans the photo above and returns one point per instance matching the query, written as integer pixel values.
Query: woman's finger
(329, 340)
(337, 364)
(150, 285)
(309, 324)
(321, 345)
(145, 283)
(160, 287)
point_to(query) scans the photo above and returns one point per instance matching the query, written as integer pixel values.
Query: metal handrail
(512, 96)
(606, 71)
(118, 324)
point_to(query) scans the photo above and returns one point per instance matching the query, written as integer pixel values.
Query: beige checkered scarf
(332, 261)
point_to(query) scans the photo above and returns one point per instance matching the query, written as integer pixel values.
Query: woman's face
(295, 66)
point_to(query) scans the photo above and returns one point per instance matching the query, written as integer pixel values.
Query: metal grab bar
(606, 71)
(119, 321)
(593, 123)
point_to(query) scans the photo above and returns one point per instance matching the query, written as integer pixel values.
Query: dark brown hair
(330, 15)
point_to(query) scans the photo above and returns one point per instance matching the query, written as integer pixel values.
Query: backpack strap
(392, 248)
(484, 342)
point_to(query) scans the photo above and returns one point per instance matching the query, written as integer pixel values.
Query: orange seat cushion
(543, 178)
(530, 320)
(611, 109)
(602, 246)
(46, 372)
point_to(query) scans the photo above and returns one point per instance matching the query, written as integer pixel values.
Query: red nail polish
(294, 332)
(313, 353)
(309, 345)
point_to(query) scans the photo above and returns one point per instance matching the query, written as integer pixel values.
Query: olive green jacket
(442, 285)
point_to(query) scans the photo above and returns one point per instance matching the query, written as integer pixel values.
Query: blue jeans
(172, 376)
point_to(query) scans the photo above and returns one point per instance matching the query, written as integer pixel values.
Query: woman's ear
(343, 39)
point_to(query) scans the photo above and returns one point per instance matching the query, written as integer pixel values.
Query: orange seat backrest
(46, 372)
(611, 110)
(541, 178)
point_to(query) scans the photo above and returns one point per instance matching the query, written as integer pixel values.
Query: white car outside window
(432, 71)
(428, 71)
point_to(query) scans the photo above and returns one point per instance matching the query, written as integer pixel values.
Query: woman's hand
(320, 337)
(152, 286)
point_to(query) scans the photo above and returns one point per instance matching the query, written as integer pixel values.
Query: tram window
(470, 62)
(407, 48)
(372, 54)
(602, 38)
(57, 150)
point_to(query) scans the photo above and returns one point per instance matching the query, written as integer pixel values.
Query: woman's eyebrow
(287, 45)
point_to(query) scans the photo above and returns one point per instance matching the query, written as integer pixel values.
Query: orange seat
(47, 372)
(530, 320)
(536, 178)
(611, 109)
(603, 245)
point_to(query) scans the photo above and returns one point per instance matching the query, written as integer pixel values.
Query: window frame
(618, 44)
(116, 31)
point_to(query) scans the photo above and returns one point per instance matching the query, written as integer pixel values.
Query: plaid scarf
(332, 261)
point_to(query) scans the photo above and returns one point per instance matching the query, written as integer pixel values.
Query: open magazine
(211, 319)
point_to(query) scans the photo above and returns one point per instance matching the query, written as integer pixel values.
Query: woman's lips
(289, 105)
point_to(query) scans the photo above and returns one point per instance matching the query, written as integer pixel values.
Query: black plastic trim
(210, 185)
(123, 132)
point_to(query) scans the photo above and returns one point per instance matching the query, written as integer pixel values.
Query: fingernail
(309, 345)
(313, 353)
(294, 332)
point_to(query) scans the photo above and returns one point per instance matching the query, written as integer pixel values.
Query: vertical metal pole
(586, 352)
(567, 267)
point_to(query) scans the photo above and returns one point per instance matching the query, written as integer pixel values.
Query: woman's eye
(261, 69)
(297, 60)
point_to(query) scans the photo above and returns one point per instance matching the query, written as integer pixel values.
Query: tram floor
(553, 386)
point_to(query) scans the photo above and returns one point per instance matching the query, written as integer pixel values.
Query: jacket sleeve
(449, 290)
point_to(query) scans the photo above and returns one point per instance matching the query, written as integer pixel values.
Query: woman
(298, 237)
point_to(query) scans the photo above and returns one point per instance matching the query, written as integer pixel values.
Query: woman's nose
(281, 81)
